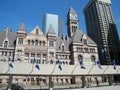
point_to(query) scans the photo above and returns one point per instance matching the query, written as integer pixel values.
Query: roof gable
(11, 37)
(37, 30)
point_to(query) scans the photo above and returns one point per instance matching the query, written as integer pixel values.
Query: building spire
(51, 30)
(71, 10)
(22, 28)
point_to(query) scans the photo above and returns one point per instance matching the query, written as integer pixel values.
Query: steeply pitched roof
(78, 36)
(2, 37)
(51, 30)
(22, 28)
(71, 10)
(11, 37)
(59, 41)
(39, 31)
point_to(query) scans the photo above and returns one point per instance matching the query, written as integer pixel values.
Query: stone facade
(46, 49)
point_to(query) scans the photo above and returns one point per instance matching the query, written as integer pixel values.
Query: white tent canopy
(21, 68)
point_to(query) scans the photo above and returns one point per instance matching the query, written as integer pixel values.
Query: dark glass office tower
(102, 29)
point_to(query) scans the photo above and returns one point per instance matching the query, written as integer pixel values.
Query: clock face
(73, 16)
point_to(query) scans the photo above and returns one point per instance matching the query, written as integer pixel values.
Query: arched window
(5, 44)
(80, 57)
(43, 43)
(63, 63)
(28, 42)
(32, 42)
(36, 42)
(40, 43)
(93, 59)
(18, 60)
(20, 41)
(51, 61)
(63, 48)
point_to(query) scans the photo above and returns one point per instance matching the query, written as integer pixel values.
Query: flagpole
(74, 68)
(90, 69)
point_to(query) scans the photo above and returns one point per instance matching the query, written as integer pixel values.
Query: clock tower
(72, 22)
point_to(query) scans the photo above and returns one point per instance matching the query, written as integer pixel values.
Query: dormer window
(84, 39)
(5, 44)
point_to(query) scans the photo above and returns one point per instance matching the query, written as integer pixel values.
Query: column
(110, 80)
(83, 82)
(9, 87)
(50, 83)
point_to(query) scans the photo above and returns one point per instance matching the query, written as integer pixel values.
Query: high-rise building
(55, 21)
(102, 29)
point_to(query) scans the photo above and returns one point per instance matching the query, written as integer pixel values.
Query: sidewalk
(96, 88)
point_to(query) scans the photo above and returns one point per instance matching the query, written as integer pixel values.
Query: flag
(37, 66)
(59, 64)
(60, 67)
(114, 64)
(81, 64)
(10, 65)
(99, 64)
(58, 61)
(83, 67)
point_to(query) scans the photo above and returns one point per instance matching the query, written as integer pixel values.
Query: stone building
(26, 47)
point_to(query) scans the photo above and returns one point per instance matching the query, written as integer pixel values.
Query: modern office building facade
(55, 21)
(102, 29)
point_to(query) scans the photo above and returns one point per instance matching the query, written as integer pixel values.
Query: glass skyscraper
(102, 29)
(55, 21)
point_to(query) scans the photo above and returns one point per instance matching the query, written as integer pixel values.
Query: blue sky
(14, 12)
